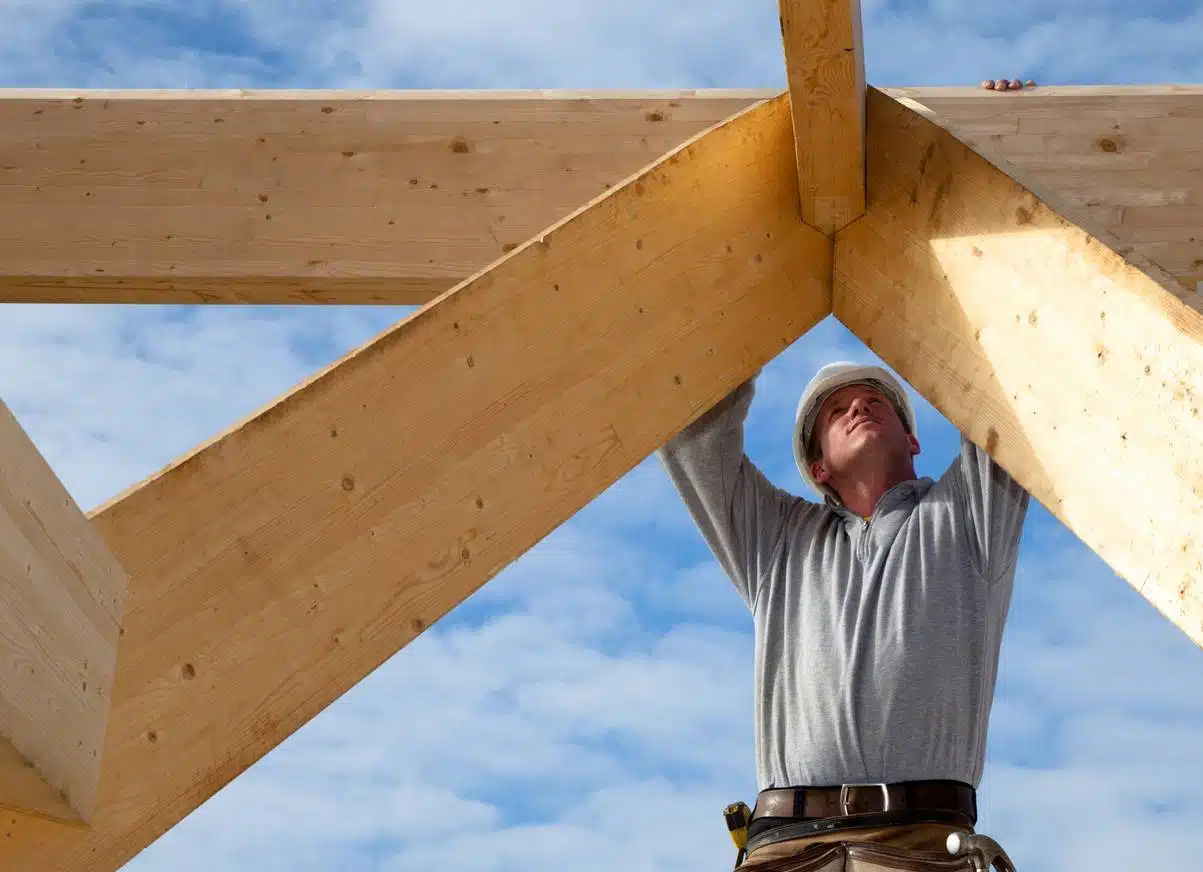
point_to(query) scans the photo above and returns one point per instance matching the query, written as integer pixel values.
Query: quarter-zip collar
(904, 495)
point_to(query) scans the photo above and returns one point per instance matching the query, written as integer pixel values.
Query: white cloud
(1096, 745)
(577, 44)
(110, 394)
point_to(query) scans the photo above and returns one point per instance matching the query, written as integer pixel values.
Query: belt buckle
(885, 794)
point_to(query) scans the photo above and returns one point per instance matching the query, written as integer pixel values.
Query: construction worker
(878, 613)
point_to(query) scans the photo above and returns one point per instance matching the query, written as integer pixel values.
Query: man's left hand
(1007, 84)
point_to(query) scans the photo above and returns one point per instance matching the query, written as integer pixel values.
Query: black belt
(797, 812)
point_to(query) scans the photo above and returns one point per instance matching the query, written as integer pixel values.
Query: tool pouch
(866, 857)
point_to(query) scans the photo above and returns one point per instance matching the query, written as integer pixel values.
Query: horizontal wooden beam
(305, 196)
(166, 206)
(1126, 159)
(1080, 370)
(61, 599)
(1043, 93)
(276, 567)
(825, 67)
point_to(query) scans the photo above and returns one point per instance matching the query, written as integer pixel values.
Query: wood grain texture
(280, 564)
(305, 197)
(1127, 161)
(1080, 370)
(61, 600)
(170, 210)
(825, 67)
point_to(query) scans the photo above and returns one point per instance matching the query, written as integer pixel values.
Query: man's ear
(819, 472)
(914, 443)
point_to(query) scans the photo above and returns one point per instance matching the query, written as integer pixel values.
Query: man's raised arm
(995, 506)
(739, 512)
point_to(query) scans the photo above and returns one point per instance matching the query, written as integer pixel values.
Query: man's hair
(813, 449)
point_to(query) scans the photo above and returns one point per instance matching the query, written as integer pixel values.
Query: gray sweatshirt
(877, 642)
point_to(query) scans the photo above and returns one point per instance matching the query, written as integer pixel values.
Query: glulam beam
(304, 197)
(394, 197)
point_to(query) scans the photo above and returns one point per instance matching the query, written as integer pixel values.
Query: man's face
(857, 419)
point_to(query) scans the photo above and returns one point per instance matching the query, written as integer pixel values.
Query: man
(878, 612)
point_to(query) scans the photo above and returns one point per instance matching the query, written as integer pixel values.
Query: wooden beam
(184, 186)
(61, 596)
(825, 65)
(1080, 370)
(279, 565)
(1128, 159)
(379, 197)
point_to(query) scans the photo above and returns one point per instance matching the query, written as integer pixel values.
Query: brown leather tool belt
(798, 812)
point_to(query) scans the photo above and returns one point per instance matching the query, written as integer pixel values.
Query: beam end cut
(61, 597)
(825, 65)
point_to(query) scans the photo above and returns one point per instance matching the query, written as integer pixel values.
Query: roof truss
(710, 238)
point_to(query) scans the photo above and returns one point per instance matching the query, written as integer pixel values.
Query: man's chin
(866, 439)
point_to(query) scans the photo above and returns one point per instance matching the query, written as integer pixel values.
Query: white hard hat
(827, 381)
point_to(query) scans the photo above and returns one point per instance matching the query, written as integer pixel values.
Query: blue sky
(610, 668)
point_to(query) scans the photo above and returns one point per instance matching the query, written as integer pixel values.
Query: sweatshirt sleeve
(994, 506)
(739, 512)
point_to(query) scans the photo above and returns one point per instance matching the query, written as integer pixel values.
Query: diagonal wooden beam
(825, 66)
(364, 197)
(279, 565)
(61, 598)
(1080, 370)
